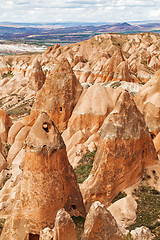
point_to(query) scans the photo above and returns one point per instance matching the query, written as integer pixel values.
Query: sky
(52, 11)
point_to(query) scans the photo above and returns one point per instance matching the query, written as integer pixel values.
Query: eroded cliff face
(59, 95)
(41, 180)
(88, 116)
(48, 183)
(148, 102)
(125, 149)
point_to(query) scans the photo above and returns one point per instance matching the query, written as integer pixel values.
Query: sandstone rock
(35, 75)
(122, 72)
(4, 67)
(124, 211)
(5, 124)
(13, 151)
(46, 234)
(3, 163)
(94, 105)
(115, 60)
(13, 131)
(125, 149)
(48, 183)
(142, 233)
(22, 134)
(59, 95)
(64, 228)
(100, 224)
(148, 102)
(157, 143)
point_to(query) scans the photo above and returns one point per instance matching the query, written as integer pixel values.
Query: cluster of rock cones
(76, 110)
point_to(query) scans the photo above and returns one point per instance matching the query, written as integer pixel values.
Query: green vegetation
(2, 222)
(79, 222)
(115, 84)
(119, 196)
(8, 176)
(19, 110)
(9, 74)
(6, 150)
(84, 167)
(128, 237)
(148, 209)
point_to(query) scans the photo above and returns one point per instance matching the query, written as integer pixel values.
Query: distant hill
(64, 33)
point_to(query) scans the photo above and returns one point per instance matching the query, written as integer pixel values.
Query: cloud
(76, 10)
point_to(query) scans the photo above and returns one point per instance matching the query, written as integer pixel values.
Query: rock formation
(100, 224)
(157, 143)
(64, 228)
(94, 105)
(48, 183)
(148, 102)
(124, 211)
(63, 91)
(125, 149)
(102, 117)
(142, 233)
(5, 124)
(35, 75)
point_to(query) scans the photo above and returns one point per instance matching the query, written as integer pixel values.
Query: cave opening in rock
(34, 236)
(45, 126)
(74, 207)
(60, 109)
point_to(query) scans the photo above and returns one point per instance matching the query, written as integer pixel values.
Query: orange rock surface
(100, 224)
(36, 76)
(48, 182)
(62, 90)
(125, 149)
(148, 102)
(92, 108)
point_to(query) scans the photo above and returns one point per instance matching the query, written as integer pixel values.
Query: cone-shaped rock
(64, 228)
(100, 224)
(125, 149)
(36, 76)
(113, 63)
(48, 182)
(59, 94)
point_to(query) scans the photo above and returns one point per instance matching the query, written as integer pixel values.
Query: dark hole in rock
(60, 109)
(154, 171)
(33, 236)
(74, 207)
(148, 176)
(153, 135)
(45, 127)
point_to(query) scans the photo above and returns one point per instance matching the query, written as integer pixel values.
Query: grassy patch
(128, 237)
(79, 222)
(115, 85)
(9, 74)
(20, 110)
(119, 196)
(148, 209)
(6, 149)
(2, 222)
(84, 167)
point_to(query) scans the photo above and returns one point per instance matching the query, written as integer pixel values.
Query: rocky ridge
(78, 91)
